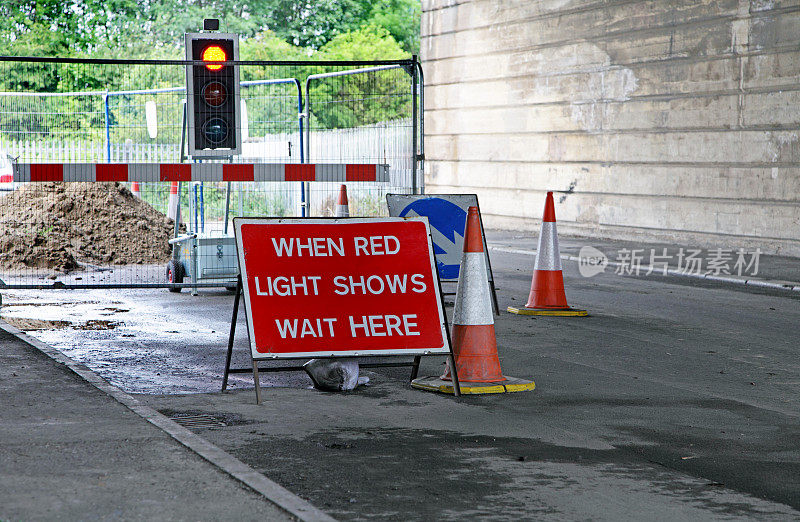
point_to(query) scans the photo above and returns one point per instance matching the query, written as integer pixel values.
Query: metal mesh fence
(338, 131)
(118, 234)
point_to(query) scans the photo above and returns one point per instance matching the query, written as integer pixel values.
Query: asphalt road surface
(675, 399)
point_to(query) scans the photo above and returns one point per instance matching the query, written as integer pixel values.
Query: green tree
(315, 30)
(401, 18)
(166, 21)
(155, 28)
(361, 99)
(268, 46)
(56, 28)
(367, 43)
(271, 108)
(312, 23)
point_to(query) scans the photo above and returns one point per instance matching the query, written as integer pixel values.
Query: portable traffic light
(212, 93)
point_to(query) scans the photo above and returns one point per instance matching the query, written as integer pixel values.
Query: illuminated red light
(214, 53)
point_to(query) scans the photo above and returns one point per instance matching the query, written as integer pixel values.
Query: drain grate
(197, 421)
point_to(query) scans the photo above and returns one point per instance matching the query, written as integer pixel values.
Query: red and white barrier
(152, 172)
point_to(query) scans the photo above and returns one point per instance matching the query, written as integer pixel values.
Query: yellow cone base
(511, 384)
(545, 311)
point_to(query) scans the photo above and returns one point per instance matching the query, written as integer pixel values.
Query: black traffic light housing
(212, 95)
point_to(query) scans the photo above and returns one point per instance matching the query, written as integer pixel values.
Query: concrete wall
(667, 120)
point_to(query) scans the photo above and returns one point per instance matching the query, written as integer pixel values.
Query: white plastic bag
(334, 374)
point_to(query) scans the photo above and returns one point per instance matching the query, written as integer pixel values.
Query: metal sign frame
(446, 349)
(393, 211)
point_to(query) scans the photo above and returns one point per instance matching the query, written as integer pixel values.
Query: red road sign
(340, 287)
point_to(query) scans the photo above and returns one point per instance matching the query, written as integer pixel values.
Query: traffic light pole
(182, 160)
(300, 116)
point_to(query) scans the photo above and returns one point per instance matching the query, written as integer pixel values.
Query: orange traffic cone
(172, 203)
(342, 209)
(135, 188)
(547, 295)
(474, 341)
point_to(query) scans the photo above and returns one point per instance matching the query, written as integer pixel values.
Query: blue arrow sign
(447, 221)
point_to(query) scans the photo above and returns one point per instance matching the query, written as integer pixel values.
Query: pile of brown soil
(57, 225)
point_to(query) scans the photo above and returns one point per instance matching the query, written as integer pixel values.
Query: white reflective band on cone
(172, 205)
(342, 211)
(548, 257)
(473, 303)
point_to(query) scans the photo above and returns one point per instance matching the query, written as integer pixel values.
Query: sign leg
(495, 305)
(454, 375)
(256, 381)
(451, 355)
(232, 334)
(494, 297)
(415, 367)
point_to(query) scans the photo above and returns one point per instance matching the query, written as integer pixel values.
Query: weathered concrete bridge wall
(670, 120)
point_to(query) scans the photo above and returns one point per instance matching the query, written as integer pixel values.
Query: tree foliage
(363, 44)
(401, 18)
(271, 30)
(312, 23)
(155, 28)
(59, 28)
(362, 99)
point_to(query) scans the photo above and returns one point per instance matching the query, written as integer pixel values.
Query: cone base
(568, 312)
(436, 384)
